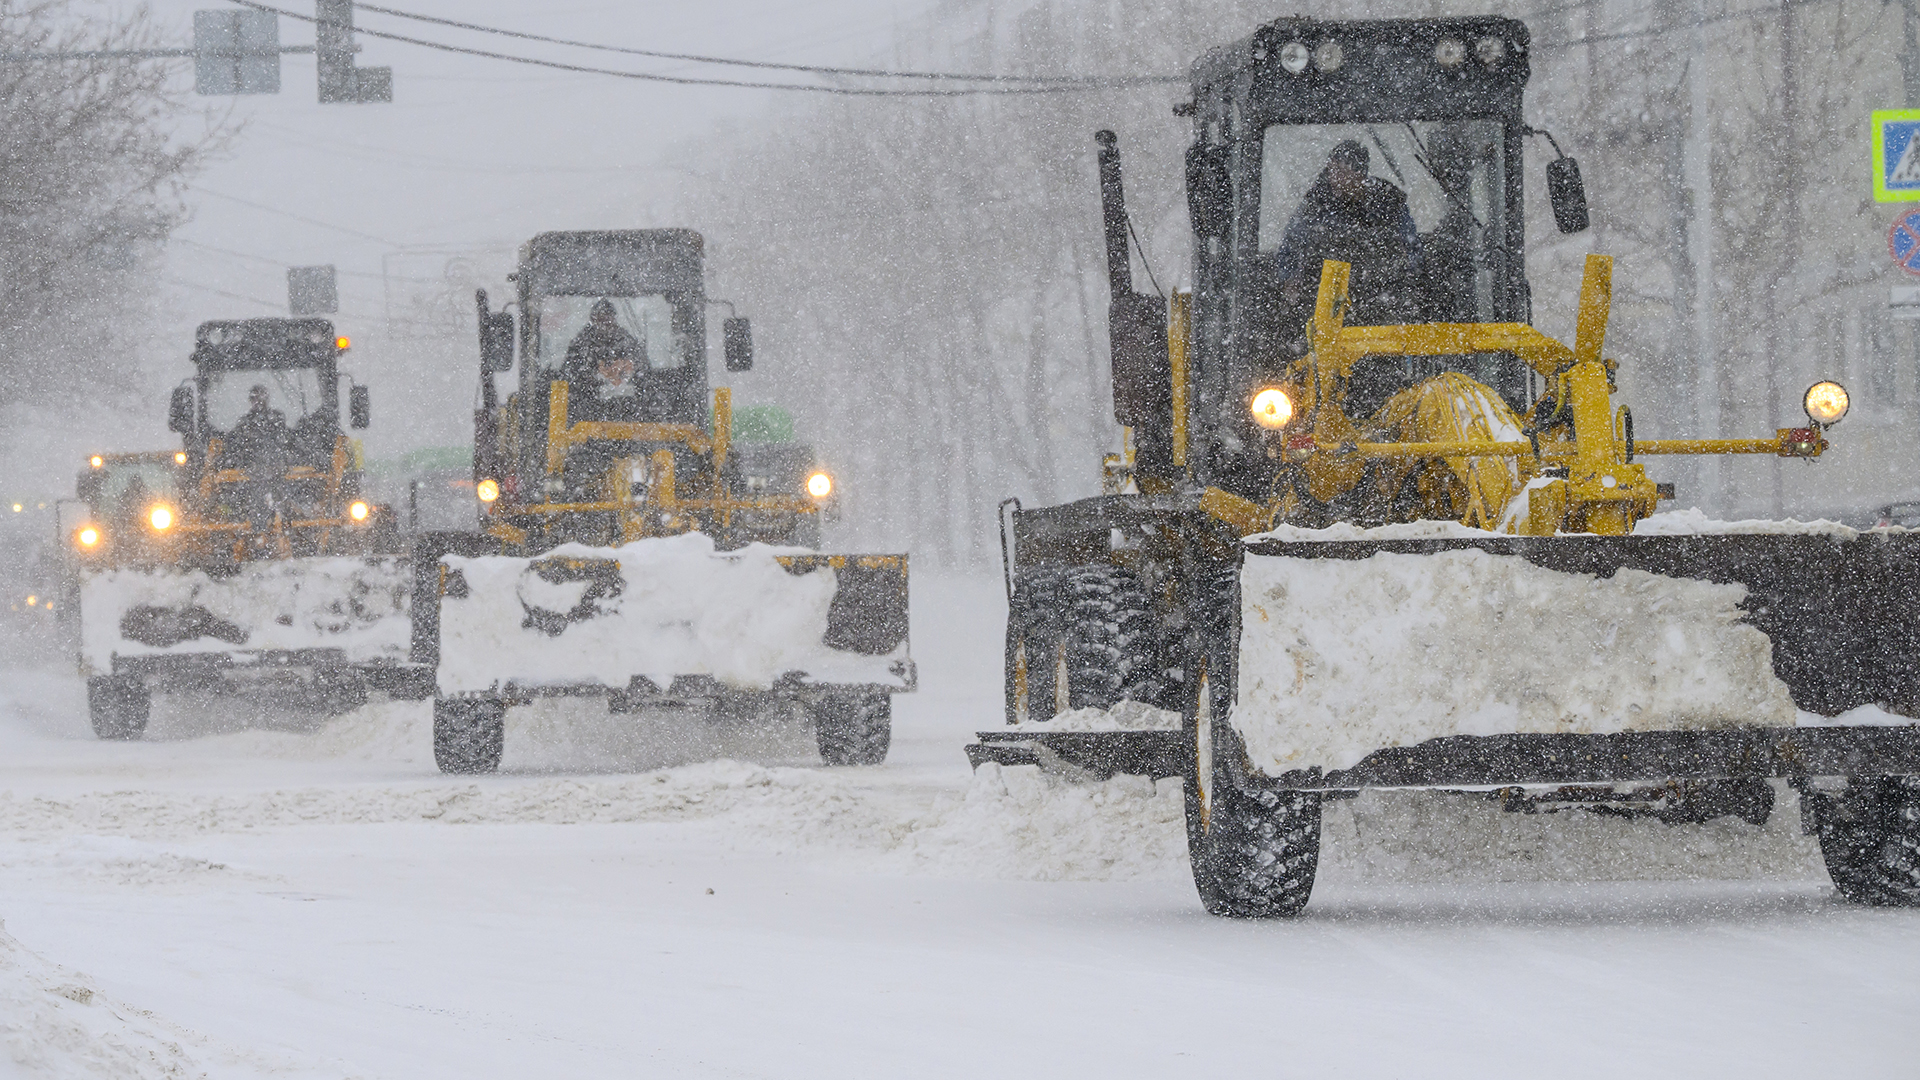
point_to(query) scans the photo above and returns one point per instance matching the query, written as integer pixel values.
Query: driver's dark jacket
(258, 440)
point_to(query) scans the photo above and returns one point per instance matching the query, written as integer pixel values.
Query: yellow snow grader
(633, 547)
(250, 554)
(1373, 529)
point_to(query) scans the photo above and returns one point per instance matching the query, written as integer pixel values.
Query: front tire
(118, 707)
(1254, 851)
(469, 734)
(853, 730)
(1869, 834)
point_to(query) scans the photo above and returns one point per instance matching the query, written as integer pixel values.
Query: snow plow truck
(1375, 530)
(249, 555)
(631, 548)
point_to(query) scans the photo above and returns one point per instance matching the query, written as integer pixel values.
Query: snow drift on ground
(680, 608)
(1342, 658)
(359, 606)
(54, 1025)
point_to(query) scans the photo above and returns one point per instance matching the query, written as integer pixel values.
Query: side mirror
(496, 342)
(1209, 190)
(359, 407)
(738, 334)
(180, 410)
(496, 335)
(1568, 195)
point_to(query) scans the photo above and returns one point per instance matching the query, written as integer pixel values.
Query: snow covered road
(230, 901)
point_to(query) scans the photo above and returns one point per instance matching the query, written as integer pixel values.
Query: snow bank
(1340, 658)
(656, 608)
(54, 1024)
(1124, 716)
(359, 606)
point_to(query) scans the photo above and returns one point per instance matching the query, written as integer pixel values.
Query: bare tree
(91, 166)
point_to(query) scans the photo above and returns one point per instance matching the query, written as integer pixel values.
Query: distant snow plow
(1414, 546)
(250, 554)
(633, 550)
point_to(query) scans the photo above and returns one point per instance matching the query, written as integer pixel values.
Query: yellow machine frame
(1602, 491)
(664, 509)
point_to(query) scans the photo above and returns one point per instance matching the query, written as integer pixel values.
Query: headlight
(1328, 56)
(358, 511)
(820, 485)
(1271, 408)
(180, 457)
(160, 517)
(1294, 57)
(96, 461)
(488, 490)
(1489, 50)
(1826, 403)
(1449, 52)
(87, 537)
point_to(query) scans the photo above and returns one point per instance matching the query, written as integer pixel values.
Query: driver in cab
(602, 360)
(1362, 220)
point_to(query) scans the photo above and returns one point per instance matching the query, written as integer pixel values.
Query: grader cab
(632, 548)
(1375, 530)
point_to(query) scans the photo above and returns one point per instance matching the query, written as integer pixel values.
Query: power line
(683, 80)
(296, 217)
(813, 69)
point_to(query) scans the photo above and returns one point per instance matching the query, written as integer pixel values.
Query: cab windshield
(1418, 209)
(644, 321)
(293, 392)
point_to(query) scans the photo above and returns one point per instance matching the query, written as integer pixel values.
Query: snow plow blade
(171, 624)
(1483, 660)
(660, 618)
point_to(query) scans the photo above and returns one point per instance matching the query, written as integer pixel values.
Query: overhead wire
(689, 80)
(812, 69)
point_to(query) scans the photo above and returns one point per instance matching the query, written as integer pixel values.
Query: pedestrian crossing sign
(1896, 155)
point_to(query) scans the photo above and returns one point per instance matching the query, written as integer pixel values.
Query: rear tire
(118, 706)
(1077, 638)
(469, 734)
(853, 730)
(1869, 834)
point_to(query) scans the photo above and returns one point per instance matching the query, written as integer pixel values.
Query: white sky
(473, 154)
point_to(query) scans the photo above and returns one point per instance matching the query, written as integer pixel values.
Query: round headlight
(488, 489)
(820, 485)
(96, 461)
(180, 457)
(1449, 52)
(160, 517)
(87, 536)
(1826, 403)
(358, 511)
(1328, 56)
(1272, 409)
(1488, 50)
(1294, 57)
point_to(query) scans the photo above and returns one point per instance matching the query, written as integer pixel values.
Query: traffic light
(236, 52)
(333, 49)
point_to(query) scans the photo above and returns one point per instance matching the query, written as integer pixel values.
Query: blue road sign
(1896, 155)
(1903, 241)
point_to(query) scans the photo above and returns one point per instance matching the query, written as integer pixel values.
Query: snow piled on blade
(1124, 716)
(358, 606)
(1694, 522)
(1342, 658)
(658, 608)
